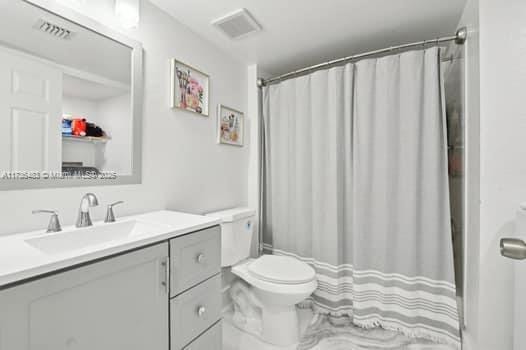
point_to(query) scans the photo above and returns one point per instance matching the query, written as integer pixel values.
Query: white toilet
(277, 283)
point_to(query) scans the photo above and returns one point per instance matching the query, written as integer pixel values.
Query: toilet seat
(242, 270)
(281, 270)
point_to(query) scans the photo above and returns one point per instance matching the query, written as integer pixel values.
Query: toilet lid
(281, 269)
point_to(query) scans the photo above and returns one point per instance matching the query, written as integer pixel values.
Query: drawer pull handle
(200, 258)
(201, 311)
(165, 265)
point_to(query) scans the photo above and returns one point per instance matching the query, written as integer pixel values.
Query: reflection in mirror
(65, 95)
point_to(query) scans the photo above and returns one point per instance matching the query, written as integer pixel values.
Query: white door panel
(29, 150)
(31, 86)
(515, 248)
(520, 285)
(520, 305)
(31, 110)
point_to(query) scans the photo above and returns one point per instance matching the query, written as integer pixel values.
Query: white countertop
(19, 260)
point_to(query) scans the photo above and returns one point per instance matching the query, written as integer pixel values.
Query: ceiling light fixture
(127, 11)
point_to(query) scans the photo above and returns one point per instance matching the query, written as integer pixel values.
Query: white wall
(252, 128)
(79, 151)
(502, 165)
(183, 167)
(495, 195)
(114, 116)
(79, 107)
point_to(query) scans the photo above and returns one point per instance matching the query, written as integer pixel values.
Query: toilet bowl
(274, 284)
(278, 283)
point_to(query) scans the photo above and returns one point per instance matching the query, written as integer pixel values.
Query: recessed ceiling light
(127, 11)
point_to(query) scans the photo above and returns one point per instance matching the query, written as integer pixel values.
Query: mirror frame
(137, 92)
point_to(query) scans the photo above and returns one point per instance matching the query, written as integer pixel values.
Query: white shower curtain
(356, 185)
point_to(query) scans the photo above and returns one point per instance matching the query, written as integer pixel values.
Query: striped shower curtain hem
(413, 305)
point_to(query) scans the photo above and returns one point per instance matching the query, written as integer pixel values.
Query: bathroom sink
(74, 239)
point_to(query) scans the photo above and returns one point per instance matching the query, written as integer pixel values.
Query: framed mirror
(71, 92)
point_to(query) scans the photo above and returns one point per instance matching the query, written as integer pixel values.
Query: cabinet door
(119, 303)
(31, 110)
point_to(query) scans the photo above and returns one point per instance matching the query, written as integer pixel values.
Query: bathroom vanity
(149, 281)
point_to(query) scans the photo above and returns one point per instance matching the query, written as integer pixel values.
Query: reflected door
(31, 106)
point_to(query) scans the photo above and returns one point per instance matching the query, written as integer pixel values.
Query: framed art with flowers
(230, 126)
(189, 88)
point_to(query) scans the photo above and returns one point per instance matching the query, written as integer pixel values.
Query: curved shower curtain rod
(459, 38)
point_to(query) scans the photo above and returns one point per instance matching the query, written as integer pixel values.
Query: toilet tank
(237, 231)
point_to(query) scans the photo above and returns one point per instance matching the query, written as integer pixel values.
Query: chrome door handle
(513, 248)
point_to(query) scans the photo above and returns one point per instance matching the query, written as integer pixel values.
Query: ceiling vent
(53, 29)
(237, 24)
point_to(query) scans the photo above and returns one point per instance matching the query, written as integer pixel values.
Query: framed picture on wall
(190, 88)
(230, 126)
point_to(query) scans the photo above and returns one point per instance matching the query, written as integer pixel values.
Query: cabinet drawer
(194, 258)
(212, 339)
(194, 311)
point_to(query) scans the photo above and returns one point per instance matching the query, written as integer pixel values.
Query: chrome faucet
(87, 201)
(54, 223)
(110, 215)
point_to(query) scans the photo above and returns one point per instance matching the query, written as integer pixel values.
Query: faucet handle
(54, 223)
(110, 216)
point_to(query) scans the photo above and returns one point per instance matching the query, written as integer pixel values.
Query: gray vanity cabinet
(211, 340)
(196, 303)
(123, 302)
(117, 303)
